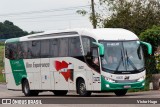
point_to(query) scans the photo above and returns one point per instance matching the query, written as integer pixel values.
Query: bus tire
(60, 92)
(120, 92)
(26, 89)
(81, 88)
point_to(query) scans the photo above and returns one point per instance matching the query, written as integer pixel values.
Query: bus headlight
(141, 79)
(109, 79)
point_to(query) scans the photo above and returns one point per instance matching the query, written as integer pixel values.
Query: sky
(43, 15)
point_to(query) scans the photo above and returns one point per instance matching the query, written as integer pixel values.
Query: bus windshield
(122, 56)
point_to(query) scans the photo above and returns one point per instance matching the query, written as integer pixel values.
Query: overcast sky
(45, 15)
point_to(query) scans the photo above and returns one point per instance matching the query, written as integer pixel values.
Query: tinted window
(90, 53)
(54, 47)
(34, 49)
(86, 45)
(63, 47)
(25, 52)
(74, 47)
(44, 48)
(11, 51)
(19, 51)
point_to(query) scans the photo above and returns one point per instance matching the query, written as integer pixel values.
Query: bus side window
(86, 45)
(63, 47)
(45, 49)
(10, 52)
(24, 46)
(19, 51)
(53, 47)
(74, 47)
(13, 51)
(34, 49)
(88, 53)
(95, 56)
(29, 52)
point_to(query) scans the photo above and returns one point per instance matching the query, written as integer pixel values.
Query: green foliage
(151, 36)
(98, 17)
(82, 12)
(1, 43)
(34, 32)
(150, 63)
(134, 15)
(2, 78)
(1, 57)
(157, 61)
(9, 30)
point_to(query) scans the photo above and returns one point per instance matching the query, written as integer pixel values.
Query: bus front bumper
(108, 86)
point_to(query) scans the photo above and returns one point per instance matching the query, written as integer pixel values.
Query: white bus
(82, 60)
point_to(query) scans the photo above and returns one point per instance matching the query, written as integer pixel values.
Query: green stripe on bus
(18, 70)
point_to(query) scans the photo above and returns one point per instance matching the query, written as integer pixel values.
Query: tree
(151, 36)
(34, 32)
(9, 30)
(134, 15)
(93, 16)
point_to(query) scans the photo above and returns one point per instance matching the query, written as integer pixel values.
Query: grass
(2, 78)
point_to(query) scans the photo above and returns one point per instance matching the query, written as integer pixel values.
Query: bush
(151, 36)
(1, 43)
(157, 56)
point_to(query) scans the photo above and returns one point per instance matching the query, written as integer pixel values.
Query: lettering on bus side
(36, 65)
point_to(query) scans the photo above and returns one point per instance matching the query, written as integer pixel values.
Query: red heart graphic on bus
(61, 65)
(66, 75)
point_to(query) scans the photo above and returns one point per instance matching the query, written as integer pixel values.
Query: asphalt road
(4, 93)
(96, 98)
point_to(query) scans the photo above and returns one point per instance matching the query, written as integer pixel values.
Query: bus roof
(99, 34)
(111, 34)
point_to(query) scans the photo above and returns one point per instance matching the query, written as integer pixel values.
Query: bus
(82, 60)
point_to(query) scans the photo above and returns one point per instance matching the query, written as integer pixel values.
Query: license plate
(127, 86)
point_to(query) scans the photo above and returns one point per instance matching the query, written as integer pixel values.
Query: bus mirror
(149, 46)
(101, 48)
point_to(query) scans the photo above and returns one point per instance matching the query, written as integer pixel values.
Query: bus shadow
(92, 96)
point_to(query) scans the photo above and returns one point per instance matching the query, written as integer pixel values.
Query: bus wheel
(60, 93)
(26, 89)
(81, 88)
(120, 92)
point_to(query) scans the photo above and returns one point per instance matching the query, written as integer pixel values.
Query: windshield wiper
(121, 60)
(131, 63)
